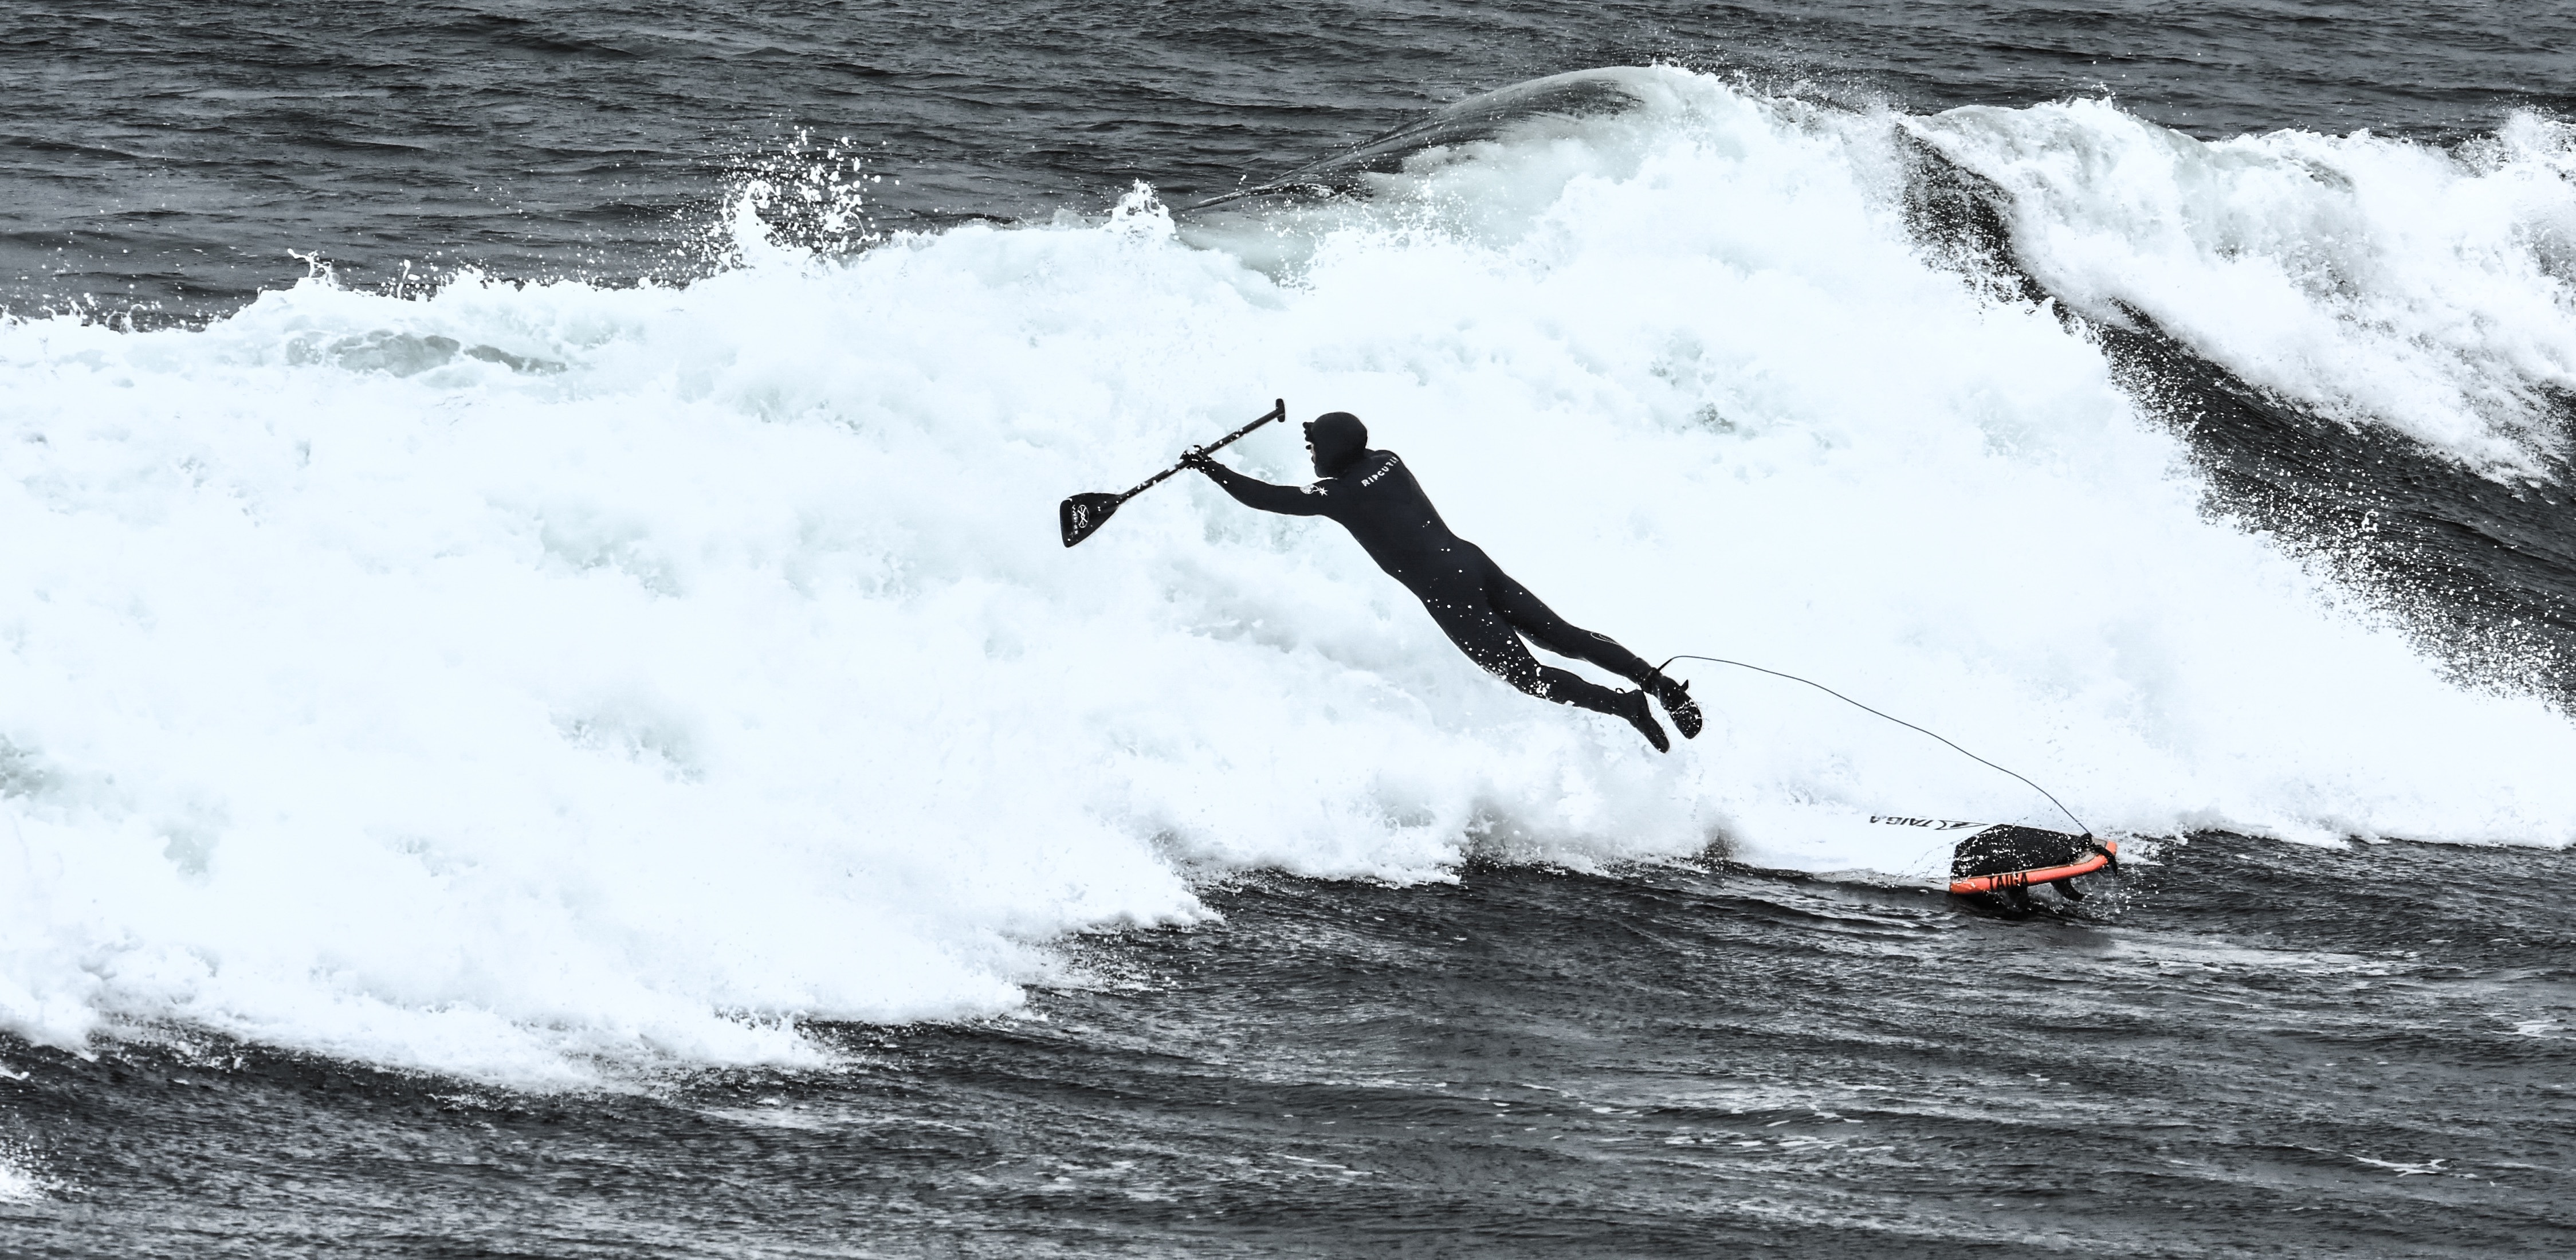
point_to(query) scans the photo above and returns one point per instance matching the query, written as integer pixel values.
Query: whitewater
(542, 683)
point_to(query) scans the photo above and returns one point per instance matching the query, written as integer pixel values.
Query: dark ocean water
(169, 157)
(2250, 1050)
(2245, 1047)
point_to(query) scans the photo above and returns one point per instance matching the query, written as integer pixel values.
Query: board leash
(2052, 797)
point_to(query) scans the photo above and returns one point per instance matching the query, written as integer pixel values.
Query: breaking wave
(539, 682)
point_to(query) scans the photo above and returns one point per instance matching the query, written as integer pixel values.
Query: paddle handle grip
(1278, 411)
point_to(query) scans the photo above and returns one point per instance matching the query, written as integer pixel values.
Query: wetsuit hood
(1337, 439)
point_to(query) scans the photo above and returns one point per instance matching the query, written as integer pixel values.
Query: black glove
(1198, 458)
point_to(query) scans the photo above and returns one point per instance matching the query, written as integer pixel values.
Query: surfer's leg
(1532, 617)
(1463, 614)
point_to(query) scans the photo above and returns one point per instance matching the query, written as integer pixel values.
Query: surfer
(1475, 603)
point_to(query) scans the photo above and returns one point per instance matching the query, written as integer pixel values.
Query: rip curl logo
(1382, 470)
(1937, 824)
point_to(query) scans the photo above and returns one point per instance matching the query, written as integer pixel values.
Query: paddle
(1082, 514)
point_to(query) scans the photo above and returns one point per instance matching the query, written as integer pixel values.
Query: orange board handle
(2044, 875)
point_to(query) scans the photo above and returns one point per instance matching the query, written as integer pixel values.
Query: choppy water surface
(169, 157)
(1523, 1063)
(590, 746)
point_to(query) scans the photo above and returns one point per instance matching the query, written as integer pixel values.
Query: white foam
(18, 1183)
(2372, 280)
(377, 698)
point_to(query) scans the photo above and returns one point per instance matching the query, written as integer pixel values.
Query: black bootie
(1677, 701)
(1633, 706)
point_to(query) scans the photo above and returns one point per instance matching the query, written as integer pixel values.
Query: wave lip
(1508, 115)
(2371, 280)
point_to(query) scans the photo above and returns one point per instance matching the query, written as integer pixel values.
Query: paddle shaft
(1278, 411)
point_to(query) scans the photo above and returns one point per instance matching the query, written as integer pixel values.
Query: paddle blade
(1084, 513)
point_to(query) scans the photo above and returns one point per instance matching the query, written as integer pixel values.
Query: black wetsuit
(1478, 605)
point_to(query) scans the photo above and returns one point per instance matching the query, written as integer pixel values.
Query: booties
(1633, 706)
(1677, 701)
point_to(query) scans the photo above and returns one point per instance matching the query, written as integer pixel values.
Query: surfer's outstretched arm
(1252, 492)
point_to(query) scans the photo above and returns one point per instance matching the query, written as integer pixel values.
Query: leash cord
(2052, 797)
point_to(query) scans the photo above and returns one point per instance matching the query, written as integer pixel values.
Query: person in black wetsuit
(1480, 607)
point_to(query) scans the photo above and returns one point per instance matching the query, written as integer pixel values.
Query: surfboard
(2008, 857)
(1986, 860)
